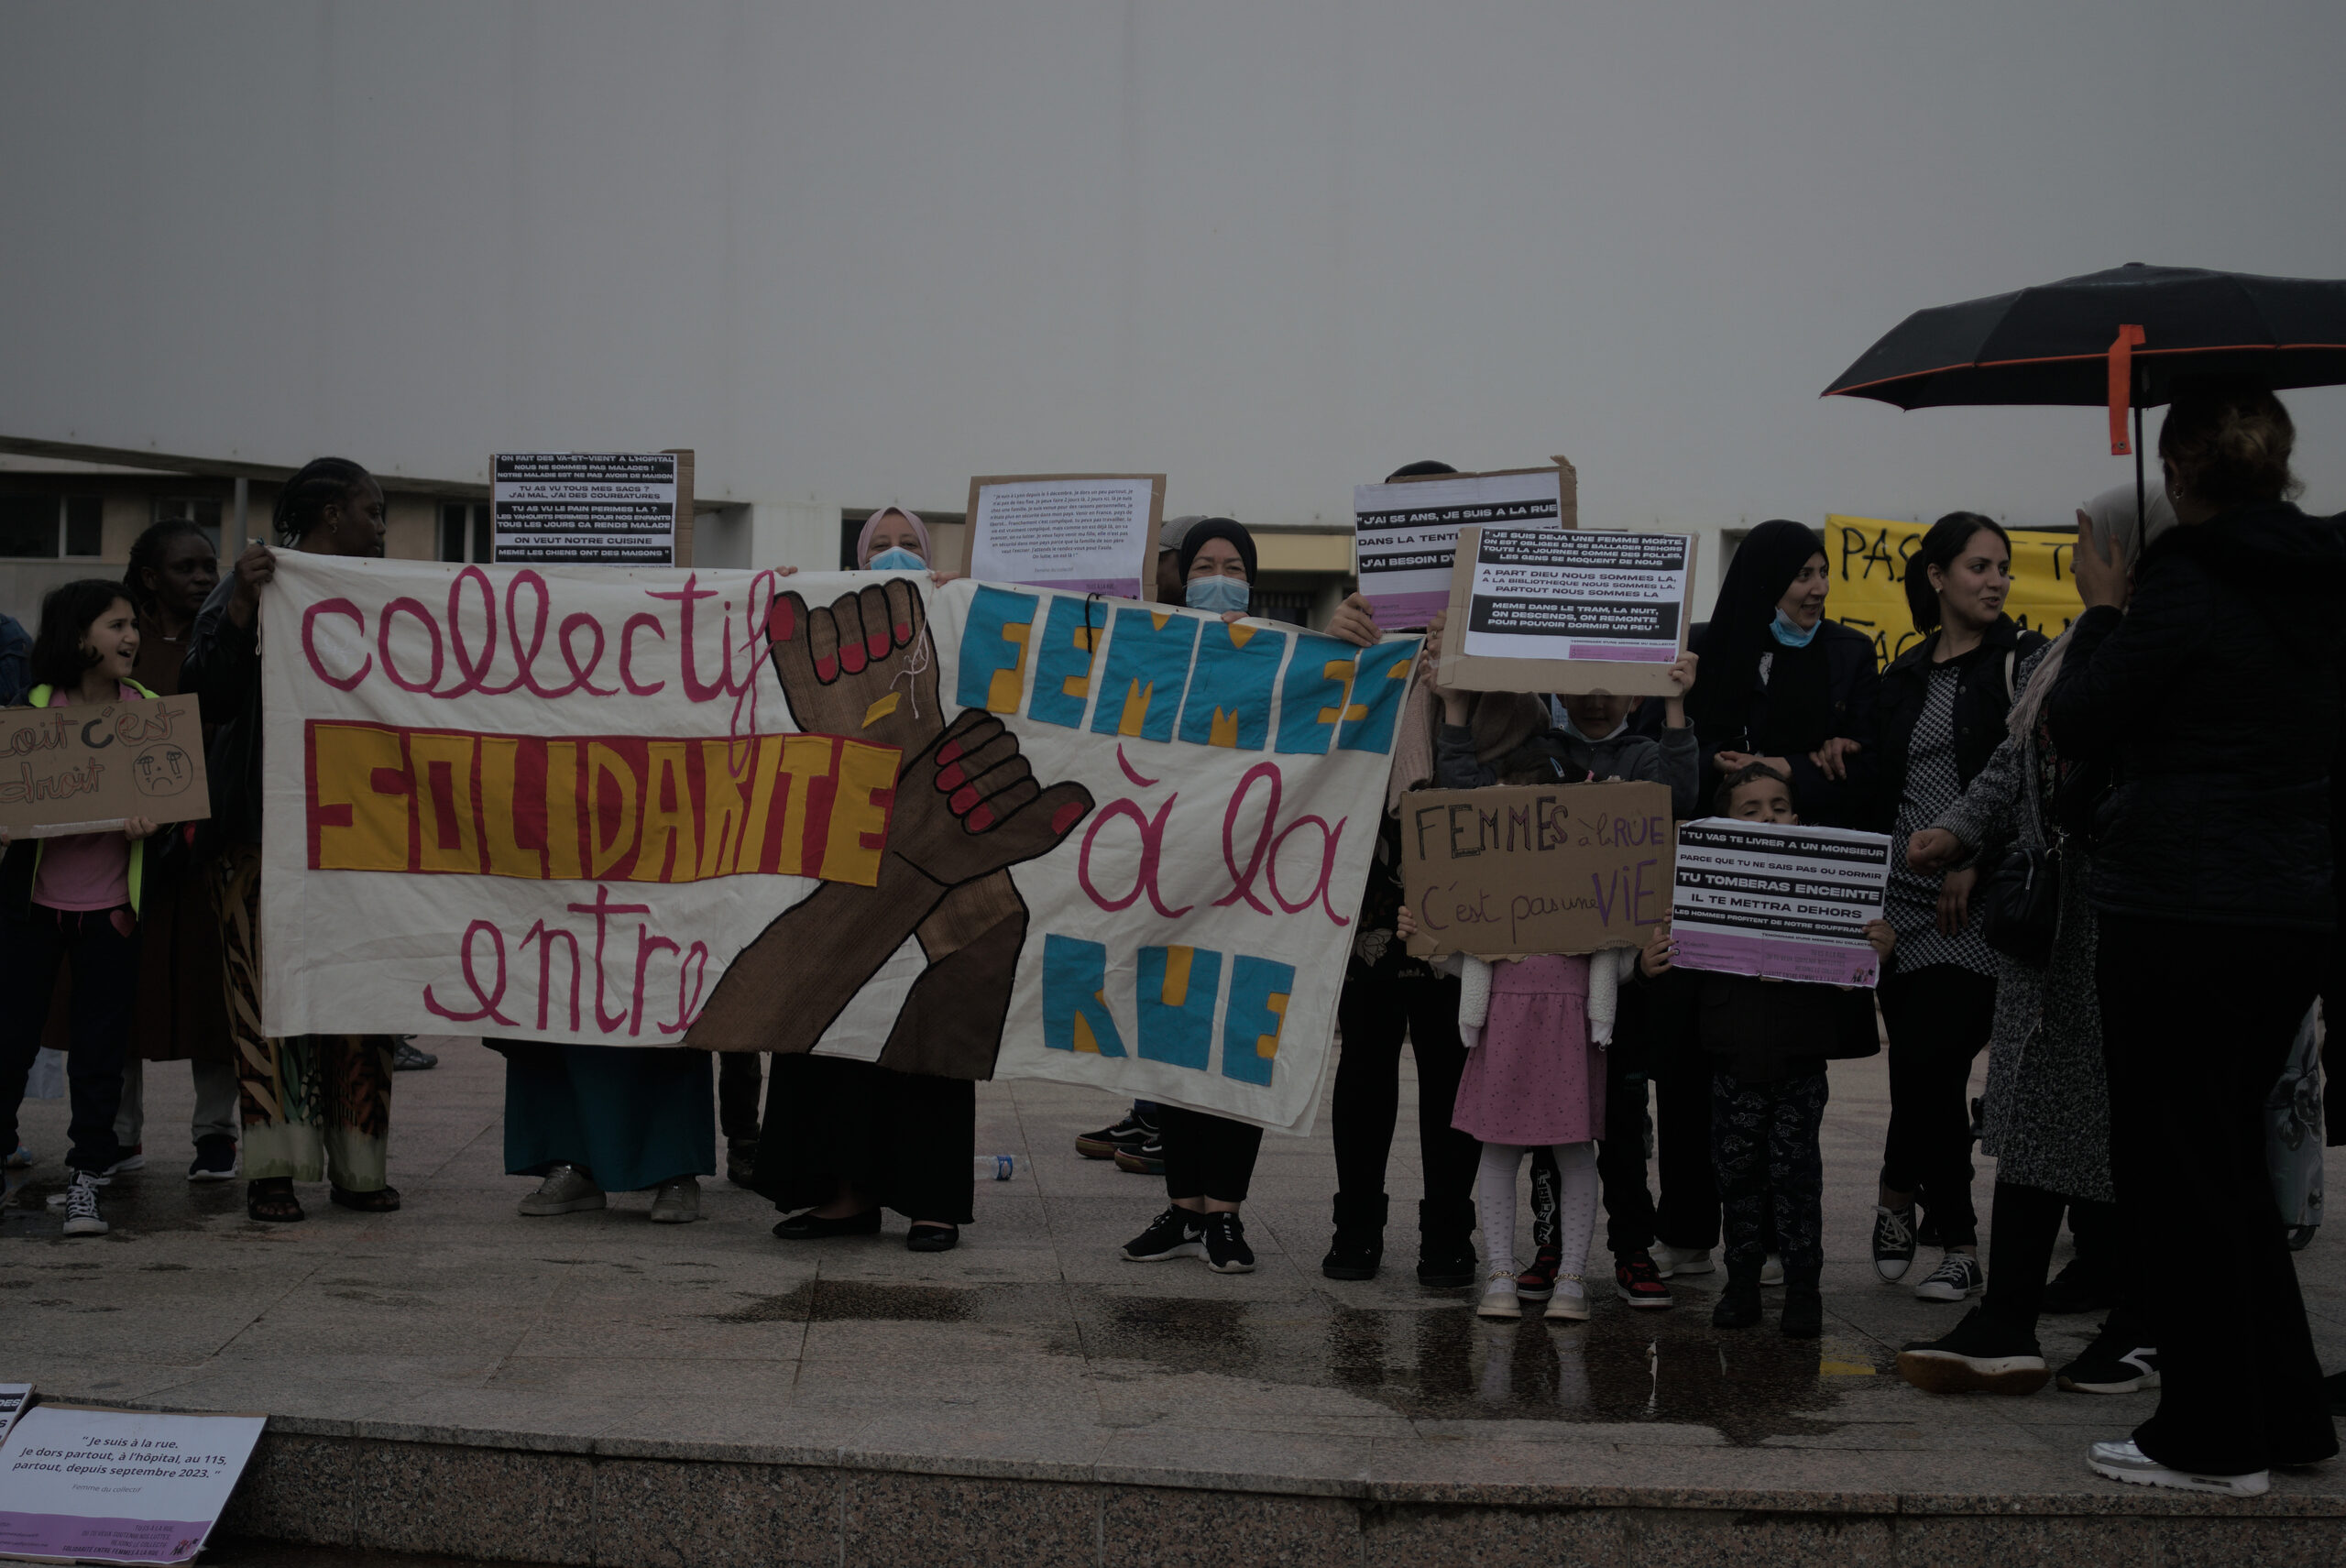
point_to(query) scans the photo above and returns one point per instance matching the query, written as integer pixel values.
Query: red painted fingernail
(963, 799)
(851, 657)
(782, 621)
(904, 632)
(950, 750)
(950, 778)
(1067, 816)
(979, 820)
(877, 640)
(826, 669)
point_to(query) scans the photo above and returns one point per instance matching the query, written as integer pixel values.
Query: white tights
(1575, 1208)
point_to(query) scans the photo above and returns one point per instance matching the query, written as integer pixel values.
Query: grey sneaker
(82, 1216)
(676, 1203)
(1771, 1269)
(565, 1191)
(405, 1058)
(2123, 1461)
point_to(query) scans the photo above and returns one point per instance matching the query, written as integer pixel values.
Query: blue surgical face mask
(1219, 595)
(1791, 633)
(897, 558)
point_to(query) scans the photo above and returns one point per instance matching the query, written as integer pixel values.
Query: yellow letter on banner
(358, 827)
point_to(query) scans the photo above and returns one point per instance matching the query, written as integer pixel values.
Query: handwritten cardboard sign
(79, 769)
(1513, 870)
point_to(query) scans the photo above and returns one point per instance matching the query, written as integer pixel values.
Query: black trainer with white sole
(2112, 1364)
(1893, 1242)
(1957, 1277)
(1177, 1233)
(1226, 1248)
(1979, 1355)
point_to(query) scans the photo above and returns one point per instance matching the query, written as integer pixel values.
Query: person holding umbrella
(2215, 859)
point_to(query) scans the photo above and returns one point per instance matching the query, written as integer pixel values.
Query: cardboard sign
(1512, 870)
(78, 768)
(1571, 610)
(1783, 902)
(1086, 533)
(86, 1485)
(1405, 532)
(610, 509)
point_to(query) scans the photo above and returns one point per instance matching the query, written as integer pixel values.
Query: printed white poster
(1405, 534)
(1781, 901)
(1579, 595)
(1085, 534)
(119, 1485)
(610, 509)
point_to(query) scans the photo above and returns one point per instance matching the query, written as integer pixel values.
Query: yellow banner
(1868, 559)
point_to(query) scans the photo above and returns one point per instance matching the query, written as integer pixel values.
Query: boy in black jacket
(1768, 1041)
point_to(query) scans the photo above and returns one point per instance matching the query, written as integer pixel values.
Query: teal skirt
(633, 1118)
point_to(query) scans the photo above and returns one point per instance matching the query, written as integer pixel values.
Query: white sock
(1576, 1204)
(1494, 1200)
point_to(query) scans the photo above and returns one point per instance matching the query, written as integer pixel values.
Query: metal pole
(241, 498)
(2142, 497)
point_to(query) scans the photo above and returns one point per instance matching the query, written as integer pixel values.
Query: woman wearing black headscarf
(1783, 686)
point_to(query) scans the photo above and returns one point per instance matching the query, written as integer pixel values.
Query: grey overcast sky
(855, 253)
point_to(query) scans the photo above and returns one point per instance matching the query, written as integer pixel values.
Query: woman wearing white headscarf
(2046, 1114)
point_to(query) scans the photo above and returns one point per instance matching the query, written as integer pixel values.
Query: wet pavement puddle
(1434, 1361)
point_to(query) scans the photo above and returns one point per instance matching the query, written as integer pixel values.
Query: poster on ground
(1405, 532)
(1781, 901)
(80, 1484)
(613, 509)
(1568, 610)
(79, 769)
(975, 829)
(1508, 871)
(1868, 560)
(1088, 533)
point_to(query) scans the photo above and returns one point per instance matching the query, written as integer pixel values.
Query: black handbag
(2019, 905)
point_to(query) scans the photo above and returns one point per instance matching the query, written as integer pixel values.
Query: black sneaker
(1144, 1158)
(1738, 1304)
(1637, 1281)
(1177, 1233)
(2112, 1364)
(741, 1160)
(1957, 1277)
(405, 1058)
(1129, 1134)
(82, 1216)
(215, 1158)
(2079, 1288)
(1979, 1355)
(1226, 1248)
(1893, 1242)
(1538, 1283)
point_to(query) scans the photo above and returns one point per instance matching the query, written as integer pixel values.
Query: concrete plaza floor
(1033, 1350)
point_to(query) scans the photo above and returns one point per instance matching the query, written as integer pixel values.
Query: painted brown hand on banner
(967, 807)
(862, 667)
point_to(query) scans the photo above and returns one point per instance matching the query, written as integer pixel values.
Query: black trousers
(104, 947)
(1621, 1157)
(1939, 1019)
(739, 1076)
(2023, 1225)
(1208, 1157)
(1764, 1141)
(2196, 1021)
(908, 1138)
(1688, 1214)
(1375, 1012)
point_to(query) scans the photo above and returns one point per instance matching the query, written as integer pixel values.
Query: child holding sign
(77, 896)
(1769, 1041)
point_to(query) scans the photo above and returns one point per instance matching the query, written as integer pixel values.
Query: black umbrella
(2121, 337)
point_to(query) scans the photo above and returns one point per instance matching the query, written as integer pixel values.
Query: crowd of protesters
(2162, 780)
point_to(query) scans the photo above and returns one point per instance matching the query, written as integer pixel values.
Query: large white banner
(972, 831)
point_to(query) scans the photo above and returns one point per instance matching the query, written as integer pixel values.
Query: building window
(467, 532)
(204, 511)
(44, 528)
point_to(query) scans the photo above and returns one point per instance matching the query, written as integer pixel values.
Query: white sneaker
(1674, 1260)
(1498, 1296)
(133, 1158)
(82, 1216)
(1771, 1271)
(1571, 1299)
(2125, 1462)
(1958, 1276)
(676, 1203)
(565, 1191)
